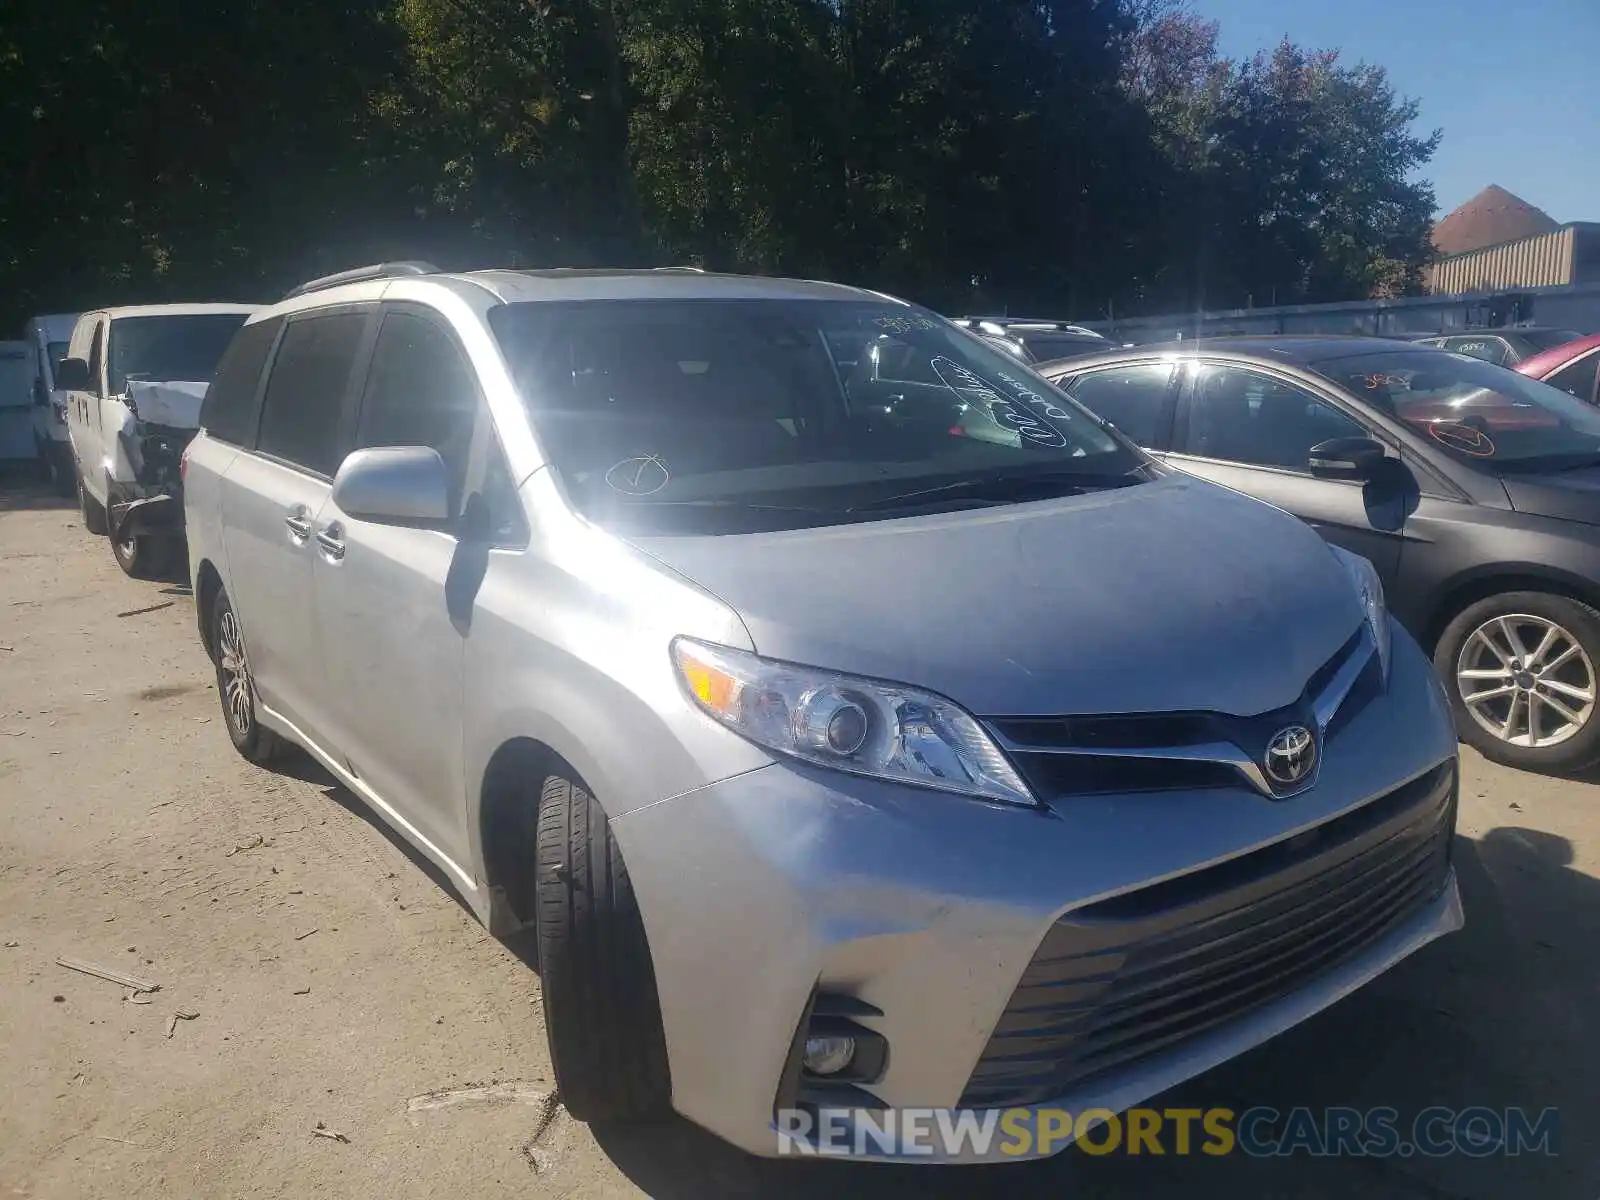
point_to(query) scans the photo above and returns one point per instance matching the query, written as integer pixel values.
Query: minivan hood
(1165, 596)
(1567, 495)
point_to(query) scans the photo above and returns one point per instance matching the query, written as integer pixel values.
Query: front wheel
(62, 470)
(1520, 671)
(601, 1010)
(141, 556)
(235, 687)
(94, 513)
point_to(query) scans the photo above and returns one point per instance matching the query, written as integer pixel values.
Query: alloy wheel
(237, 696)
(1526, 680)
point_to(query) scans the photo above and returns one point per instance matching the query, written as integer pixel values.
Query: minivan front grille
(1129, 977)
(1165, 751)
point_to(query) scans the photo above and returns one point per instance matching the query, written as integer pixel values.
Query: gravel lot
(336, 981)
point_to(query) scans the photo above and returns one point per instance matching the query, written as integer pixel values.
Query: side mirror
(394, 485)
(1346, 458)
(72, 375)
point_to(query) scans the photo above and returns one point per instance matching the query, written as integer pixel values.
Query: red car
(1572, 367)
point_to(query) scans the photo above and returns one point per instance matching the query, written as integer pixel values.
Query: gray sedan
(1473, 490)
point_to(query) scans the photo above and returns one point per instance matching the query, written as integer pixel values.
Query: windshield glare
(1474, 410)
(169, 348)
(657, 413)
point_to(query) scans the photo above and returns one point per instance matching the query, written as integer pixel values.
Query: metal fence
(1575, 306)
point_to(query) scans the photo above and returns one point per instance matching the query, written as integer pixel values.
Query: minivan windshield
(1477, 412)
(690, 416)
(178, 347)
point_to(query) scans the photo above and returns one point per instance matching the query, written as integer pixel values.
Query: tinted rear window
(229, 411)
(1544, 339)
(1048, 347)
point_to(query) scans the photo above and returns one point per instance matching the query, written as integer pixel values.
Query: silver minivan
(850, 718)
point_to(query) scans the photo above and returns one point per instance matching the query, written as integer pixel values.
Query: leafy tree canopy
(1061, 156)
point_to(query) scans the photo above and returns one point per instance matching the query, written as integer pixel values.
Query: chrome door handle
(331, 540)
(299, 527)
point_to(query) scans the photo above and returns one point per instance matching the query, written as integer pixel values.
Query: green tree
(1072, 156)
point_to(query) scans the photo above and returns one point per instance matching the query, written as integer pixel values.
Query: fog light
(827, 1055)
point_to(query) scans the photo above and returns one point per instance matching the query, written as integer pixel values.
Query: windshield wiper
(1001, 489)
(718, 502)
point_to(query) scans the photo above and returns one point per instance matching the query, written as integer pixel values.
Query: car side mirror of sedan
(72, 375)
(395, 485)
(1346, 458)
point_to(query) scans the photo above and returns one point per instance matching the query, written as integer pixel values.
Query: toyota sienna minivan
(832, 757)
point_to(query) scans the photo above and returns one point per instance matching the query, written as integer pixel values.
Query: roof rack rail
(388, 270)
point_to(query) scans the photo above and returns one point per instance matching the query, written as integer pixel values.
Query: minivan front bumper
(947, 926)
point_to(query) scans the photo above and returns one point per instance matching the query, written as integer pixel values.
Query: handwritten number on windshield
(971, 388)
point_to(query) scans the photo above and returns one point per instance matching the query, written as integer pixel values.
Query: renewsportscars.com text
(1261, 1132)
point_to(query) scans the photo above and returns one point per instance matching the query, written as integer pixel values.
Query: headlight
(849, 724)
(1370, 590)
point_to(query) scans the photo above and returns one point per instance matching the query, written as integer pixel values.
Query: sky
(1514, 84)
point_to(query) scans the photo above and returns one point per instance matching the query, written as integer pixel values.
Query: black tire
(1581, 623)
(258, 744)
(142, 556)
(94, 515)
(63, 471)
(601, 1010)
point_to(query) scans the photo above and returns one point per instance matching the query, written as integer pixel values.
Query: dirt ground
(336, 985)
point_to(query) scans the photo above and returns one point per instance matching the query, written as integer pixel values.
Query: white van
(133, 379)
(15, 400)
(47, 339)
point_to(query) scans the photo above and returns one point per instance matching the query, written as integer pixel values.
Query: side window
(1240, 416)
(229, 411)
(1134, 399)
(420, 392)
(1578, 378)
(97, 357)
(300, 411)
(1489, 349)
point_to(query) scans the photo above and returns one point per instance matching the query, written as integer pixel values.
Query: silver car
(835, 756)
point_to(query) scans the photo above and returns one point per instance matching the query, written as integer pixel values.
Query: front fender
(586, 671)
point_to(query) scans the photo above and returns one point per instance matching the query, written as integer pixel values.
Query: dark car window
(183, 346)
(1239, 415)
(1051, 347)
(300, 411)
(1546, 339)
(674, 414)
(420, 392)
(1134, 399)
(1488, 349)
(229, 411)
(1578, 378)
(1474, 411)
(97, 357)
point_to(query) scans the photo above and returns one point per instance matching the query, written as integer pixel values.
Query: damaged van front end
(145, 483)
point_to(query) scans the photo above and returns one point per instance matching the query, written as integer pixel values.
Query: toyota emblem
(1291, 755)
